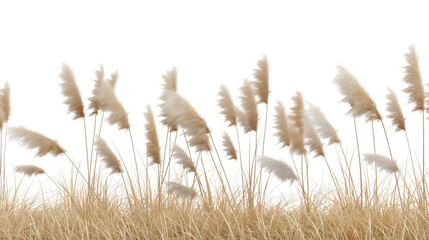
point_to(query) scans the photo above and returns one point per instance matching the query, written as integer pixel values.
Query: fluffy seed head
(183, 159)
(113, 79)
(382, 162)
(355, 95)
(297, 111)
(279, 168)
(248, 103)
(170, 80)
(395, 112)
(4, 104)
(109, 103)
(413, 80)
(71, 92)
(181, 191)
(296, 140)
(153, 150)
(312, 139)
(281, 125)
(262, 77)
(107, 156)
(228, 147)
(322, 125)
(94, 103)
(34, 140)
(29, 170)
(227, 106)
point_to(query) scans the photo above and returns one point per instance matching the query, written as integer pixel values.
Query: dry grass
(179, 187)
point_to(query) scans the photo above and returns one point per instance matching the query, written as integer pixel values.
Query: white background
(210, 43)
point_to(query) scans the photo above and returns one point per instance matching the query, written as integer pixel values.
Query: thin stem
(360, 163)
(423, 163)
(135, 161)
(263, 148)
(375, 164)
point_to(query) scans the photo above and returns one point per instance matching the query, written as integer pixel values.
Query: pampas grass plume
(382, 162)
(34, 140)
(94, 103)
(297, 111)
(29, 170)
(296, 140)
(262, 77)
(71, 92)
(228, 147)
(395, 112)
(181, 191)
(107, 156)
(4, 104)
(248, 103)
(183, 159)
(281, 125)
(227, 106)
(413, 80)
(282, 171)
(322, 125)
(152, 145)
(108, 102)
(113, 79)
(312, 139)
(170, 80)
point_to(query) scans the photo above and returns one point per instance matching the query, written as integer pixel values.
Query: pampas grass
(152, 144)
(297, 111)
(94, 100)
(323, 126)
(34, 140)
(395, 112)
(228, 147)
(113, 79)
(181, 191)
(313, 142)
(4, 104)
(183, 159)
(261, 83)
(227, 106)
(29, 170)
(170, 80)
(280, 169)
(296, 140)
(281, 125)
(71, 93)
(107, 156)
(250, 117)
(413, 79)
(382, 162)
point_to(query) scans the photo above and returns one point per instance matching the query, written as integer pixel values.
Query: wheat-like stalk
(312, 139)
(71, 92)
(183, 159)
(280, 169)
(4, 104)
(34, 140)
(281, 125)
(29, 170)
(181, 191)
(395, 112)
(227, 106)
(413, 80)
(323, 126)
(382, 162)
(94, 103)
(250, 118)
(107, 156)
(228, 147)
(108, 102)
(152, 145)
(262, 77)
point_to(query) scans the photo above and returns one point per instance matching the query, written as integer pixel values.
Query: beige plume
(282, 171)
(262, 77)
(183, 159)
(323, 126)
(248, 103)
(153, 150)
(94, 103)
(108, 102)
(170, 80)
(113, 79)
(227, 106)
(395, 112)
(355, 95)
(413, 80)
(107, 156)
(281, 125)
(228, 147)
(312, 139)
(4, 104)
(70, 90)
(296, 140)
(34, 140)
(382, 162)
(29, 170)
(181, 191)
(297, 111)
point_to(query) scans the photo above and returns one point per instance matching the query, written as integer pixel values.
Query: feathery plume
(170, 80)
(312, 139)
(395, 112)
(34, 140)
(248, 103)
(177, 111)
(71, 92)
(262, 77)
(153, 150)
(227, 106)
(355, 95)
(414, 81)
(108, 102)
(94, 103)
(279, 168)
(228, 147)
(113, 79)
(181, 191)
(281, 126)
(183, 159)
(297, 111)
(29, 170)
(4, 104)
(107, 156)
(382, 162)
(296, 140)
(323, 126)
